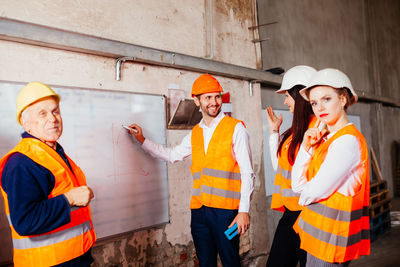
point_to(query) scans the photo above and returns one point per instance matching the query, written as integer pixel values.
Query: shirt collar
(214, 122)
(27, 135)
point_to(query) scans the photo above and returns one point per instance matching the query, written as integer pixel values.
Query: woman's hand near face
(273, 121)
(313, 136)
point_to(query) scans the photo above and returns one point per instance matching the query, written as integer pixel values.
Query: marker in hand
(130, 129)
(136, 131)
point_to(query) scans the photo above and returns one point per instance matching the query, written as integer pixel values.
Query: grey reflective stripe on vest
(338, 215)
(49, 239)
(196, 192)
(286, 174)
(289, 193)
(196, 175)
(276, 189)
(340, 241)
(220, 192)
(221, 174)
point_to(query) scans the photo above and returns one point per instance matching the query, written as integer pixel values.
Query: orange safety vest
(66, 242)
(336, 229)
(282, 193)
(216, 174)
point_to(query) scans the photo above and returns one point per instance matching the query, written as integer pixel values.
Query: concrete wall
(359, 37)
(316, 33)
(211, 29)
(384, 19)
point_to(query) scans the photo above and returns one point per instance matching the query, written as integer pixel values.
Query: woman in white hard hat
(332, 176)
(285, 249)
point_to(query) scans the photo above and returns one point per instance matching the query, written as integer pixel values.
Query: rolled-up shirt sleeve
(242, 154)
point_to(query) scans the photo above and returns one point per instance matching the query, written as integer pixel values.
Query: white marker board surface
(269, 173)
(131, 187)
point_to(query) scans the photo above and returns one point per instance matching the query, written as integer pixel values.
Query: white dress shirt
(338, 172)
(273, 149)
(240, 151)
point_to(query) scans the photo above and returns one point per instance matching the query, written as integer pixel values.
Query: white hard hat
(297, 75)
(333, 78)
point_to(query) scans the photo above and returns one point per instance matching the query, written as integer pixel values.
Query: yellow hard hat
(206, 84)
(30, 94)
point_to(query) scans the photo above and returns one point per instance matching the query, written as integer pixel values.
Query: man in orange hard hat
(222, 174)
(45, 193)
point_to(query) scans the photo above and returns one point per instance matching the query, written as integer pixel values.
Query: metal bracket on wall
(260, 40)
(119, 64)
(251, 86)
(258, 26)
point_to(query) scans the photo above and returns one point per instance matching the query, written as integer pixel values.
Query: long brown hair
(302, 116)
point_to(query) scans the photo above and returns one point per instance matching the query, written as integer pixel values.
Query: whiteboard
(130, 186)
(269, 173)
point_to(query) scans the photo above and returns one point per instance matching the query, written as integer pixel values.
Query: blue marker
(231, 232)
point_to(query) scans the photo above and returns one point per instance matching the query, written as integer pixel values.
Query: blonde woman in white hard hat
(285, 249)
(332, 176)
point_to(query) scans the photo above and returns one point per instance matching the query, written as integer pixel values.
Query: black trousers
(208, 226)
(285, 249)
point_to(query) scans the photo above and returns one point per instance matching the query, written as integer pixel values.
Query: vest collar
(59, 148)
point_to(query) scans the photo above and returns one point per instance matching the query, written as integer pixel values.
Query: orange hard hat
(206, 84)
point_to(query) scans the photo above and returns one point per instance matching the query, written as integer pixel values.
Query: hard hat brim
(281, 90)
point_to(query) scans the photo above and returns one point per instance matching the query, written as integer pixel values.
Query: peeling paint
(241, 10)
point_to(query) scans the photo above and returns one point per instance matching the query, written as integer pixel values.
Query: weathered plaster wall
(183, 26)
(166, 243)
(213, 29)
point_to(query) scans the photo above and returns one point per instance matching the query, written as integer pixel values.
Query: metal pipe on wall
(118, 65)
(33, 34)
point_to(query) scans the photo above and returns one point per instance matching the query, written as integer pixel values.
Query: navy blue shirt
(28, 186)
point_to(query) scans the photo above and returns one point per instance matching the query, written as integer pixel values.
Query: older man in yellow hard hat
(222, 174)
(45, 192)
